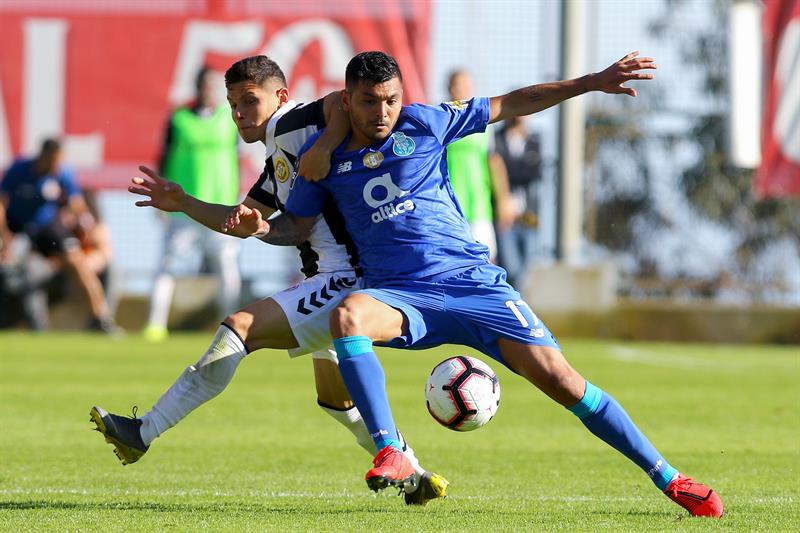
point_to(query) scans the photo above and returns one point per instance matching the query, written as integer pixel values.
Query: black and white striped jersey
(329, 248)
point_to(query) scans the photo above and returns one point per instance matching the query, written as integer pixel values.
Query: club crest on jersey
(402, 145)
(282, 169)
(457, 104)
(373, 159)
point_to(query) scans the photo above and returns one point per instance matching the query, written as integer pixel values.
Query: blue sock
(363, 375)
(608, 420)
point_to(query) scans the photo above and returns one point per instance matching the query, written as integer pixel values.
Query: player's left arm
(539, 97)
(315, 164)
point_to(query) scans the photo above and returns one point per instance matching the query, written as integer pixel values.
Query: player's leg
(548, 370)
(309, 315)
(358, 320)
(495, 310)
(333, 399)
(260, 325)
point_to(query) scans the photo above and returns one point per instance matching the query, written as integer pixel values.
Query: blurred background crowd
(687, 197)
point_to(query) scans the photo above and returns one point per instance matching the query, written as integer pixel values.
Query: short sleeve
(306, 199)
(451, 121)
(263, 191)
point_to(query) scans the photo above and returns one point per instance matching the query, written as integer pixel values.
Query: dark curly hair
(373, 67)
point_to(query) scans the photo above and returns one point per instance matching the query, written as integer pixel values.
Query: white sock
(409, 452)
(196, 385)
(351, 419)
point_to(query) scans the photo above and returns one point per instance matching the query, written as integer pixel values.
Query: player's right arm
(170, 197)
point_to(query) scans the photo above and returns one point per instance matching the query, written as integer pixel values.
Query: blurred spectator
(200, 154)
(33, 195)
(96, 244)
(522, 155)
(478, 175)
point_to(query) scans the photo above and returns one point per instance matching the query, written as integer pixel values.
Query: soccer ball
(462, 393)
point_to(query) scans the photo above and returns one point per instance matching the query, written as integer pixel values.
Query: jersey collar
(269, 141)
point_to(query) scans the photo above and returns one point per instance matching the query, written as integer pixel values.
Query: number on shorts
(514, 306)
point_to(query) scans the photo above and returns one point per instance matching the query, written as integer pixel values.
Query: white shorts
(308, 307)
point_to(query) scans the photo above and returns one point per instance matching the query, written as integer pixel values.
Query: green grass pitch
(263, 457)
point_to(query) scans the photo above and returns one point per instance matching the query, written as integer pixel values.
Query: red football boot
(695, 497)
(392, 467)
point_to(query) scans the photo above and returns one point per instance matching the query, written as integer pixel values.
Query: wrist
(262, 231)
(588, 83)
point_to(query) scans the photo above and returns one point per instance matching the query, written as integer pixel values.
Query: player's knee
(240, 322)
(345, 319)
(566, 385)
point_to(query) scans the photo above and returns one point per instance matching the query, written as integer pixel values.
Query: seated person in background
(95, 240)
(32, 194)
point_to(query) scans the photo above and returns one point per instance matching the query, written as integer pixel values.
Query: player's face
(252, 105)
(374, 109)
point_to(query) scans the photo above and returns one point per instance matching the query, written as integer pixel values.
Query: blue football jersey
(396, 199)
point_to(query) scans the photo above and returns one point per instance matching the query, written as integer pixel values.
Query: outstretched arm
(539, 97)
(169, 196)
(283, 230)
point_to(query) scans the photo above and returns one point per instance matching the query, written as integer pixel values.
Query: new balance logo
(344, 167)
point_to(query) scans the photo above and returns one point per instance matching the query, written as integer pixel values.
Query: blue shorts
(475, 308)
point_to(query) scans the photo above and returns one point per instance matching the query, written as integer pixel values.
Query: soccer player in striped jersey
(296, 319)
(427, 281)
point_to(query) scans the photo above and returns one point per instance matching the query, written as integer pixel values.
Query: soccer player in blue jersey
(427, 281)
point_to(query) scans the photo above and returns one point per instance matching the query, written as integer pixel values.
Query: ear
(283, 95)
(345, 100)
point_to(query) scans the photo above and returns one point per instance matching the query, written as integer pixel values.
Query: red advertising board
(779, 174)
(104, 75)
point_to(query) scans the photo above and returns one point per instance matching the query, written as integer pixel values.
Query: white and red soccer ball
(462, 393)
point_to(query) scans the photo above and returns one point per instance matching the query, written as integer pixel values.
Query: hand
(612, 80)
(161, 193)
(315, 164)
(244, 222)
